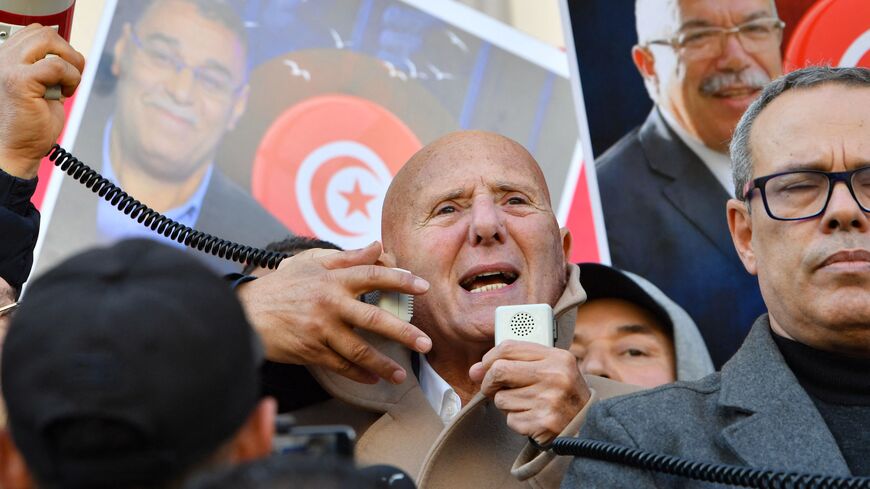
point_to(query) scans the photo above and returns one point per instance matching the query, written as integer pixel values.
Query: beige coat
(397, 426)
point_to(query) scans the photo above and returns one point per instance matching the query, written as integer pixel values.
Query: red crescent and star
(357, 201)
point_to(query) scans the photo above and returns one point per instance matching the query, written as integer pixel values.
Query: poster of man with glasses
(170, 85)
(253, 119)
(664, 186)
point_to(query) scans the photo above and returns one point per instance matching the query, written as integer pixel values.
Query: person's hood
(692, 358)
(381, 396)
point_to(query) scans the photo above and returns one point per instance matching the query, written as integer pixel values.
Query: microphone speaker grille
(522, 324)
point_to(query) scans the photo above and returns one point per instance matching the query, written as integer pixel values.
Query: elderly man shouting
(471, 214)
(796, 396)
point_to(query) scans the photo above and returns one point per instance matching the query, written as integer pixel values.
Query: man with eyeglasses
(796, 395)
(664, 186)
(180, 84)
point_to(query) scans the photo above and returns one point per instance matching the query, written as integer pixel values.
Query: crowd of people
(137, 365)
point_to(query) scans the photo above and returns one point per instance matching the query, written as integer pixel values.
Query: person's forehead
(696, 13)
(613, 317)
(182, 23)
(808, 127)
(478, 160)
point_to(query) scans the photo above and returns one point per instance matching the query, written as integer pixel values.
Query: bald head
(453, 154)
(471, 214)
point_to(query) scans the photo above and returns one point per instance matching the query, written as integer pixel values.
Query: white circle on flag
(856, 51)
(351, 214)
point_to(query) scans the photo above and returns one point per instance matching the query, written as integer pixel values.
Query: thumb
(477, 372)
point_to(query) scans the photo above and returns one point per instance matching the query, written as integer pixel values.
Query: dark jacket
(19, 227)
(227, 212)
(665, 217)
(754, 412)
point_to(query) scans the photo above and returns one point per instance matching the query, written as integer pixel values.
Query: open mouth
(488, 281)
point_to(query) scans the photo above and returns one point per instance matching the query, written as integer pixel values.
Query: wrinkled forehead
(811, 128)
(488, 161)
(460, 164)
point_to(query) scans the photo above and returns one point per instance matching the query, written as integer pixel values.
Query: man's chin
(478, 321)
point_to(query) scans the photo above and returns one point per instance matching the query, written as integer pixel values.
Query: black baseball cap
(604, 282)
(127, 365)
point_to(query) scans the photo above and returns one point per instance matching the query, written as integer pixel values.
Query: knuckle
(564, 356)
(56, 65)
(307, 351)
(370, 317)
(373, 273)
(343, 366)
(324, 301)
(405, 332)
(499, 399)
(499, 371)
(562, 376)
(561, 379)
(44, 34)
(359, 352)
(515, 424)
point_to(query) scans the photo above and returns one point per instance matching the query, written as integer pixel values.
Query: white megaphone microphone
(17, 14)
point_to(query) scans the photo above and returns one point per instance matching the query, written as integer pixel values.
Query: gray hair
(655, 19)
(741, 151)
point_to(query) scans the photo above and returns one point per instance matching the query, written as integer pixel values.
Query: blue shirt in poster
(113, 225)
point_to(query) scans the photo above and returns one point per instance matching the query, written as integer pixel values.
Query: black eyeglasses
(804, 194)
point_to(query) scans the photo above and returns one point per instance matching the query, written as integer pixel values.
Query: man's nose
(182, 84)
(487, 225)
(843, 212)
(734, 56)
(595, 363)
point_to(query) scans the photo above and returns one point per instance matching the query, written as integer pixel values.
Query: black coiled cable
(156, 221)
(706, 472)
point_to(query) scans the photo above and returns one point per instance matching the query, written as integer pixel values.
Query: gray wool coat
(754, 412)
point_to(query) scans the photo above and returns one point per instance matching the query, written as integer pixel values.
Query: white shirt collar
(443, 399)
(718, 163)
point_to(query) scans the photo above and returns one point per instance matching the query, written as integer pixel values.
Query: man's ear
(13, 469)
(120, 49)
(254, 438)
(644, 61)
(740, 225)
(566, 243)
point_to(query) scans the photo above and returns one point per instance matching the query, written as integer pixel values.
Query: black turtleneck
(840, 388)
